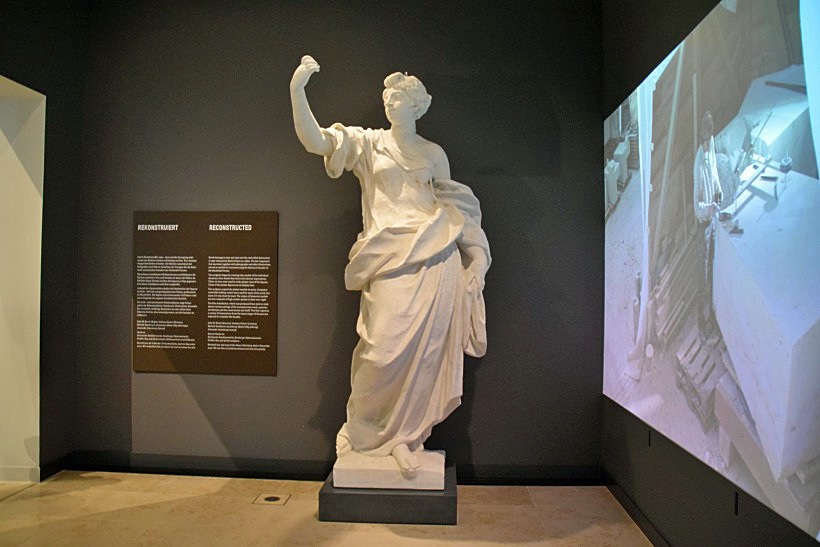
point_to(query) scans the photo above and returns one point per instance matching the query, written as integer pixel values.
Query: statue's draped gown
(421, 307)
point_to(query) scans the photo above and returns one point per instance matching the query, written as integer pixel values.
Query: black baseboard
(261, 468)
(252, 468)
(233, 467)
(101, 460)
(646, 526)
(530, 475)
(55, 466)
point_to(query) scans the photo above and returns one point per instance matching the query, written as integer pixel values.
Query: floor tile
(8, 489)
(499, 523)
(493, 495)
(575, 501)
(125, 509)
(592, 531)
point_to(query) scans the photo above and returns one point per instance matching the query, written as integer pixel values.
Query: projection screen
(712, 207)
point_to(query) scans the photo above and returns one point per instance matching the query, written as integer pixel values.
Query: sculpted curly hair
(414, 89)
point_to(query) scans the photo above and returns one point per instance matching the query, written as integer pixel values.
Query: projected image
(712, 207)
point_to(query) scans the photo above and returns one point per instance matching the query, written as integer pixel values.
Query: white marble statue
(419, 263)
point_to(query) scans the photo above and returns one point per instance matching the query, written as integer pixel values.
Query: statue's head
(404, 91)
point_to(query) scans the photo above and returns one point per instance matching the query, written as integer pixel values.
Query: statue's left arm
(475, 254)
(472, 244)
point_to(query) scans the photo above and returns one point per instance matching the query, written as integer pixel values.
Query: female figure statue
(419, 263)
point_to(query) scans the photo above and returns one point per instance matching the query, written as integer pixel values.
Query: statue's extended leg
(407, 460)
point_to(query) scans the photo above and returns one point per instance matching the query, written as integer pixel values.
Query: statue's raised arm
(307, 128)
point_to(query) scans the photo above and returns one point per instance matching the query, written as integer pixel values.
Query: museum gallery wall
(712, 206)
(187, 109)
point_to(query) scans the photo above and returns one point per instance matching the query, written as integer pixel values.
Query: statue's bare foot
(408, 461)
(343, 445)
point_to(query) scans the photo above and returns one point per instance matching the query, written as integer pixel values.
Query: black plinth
(390, 506)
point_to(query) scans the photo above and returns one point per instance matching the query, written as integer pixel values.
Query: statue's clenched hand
(303, 72)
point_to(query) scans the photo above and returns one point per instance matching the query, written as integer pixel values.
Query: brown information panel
(204, 297)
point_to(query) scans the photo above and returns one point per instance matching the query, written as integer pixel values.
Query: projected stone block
(779, 118)
(767, 302)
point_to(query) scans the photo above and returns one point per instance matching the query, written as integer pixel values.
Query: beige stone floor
(120, 509)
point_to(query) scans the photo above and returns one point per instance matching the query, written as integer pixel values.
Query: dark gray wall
(686, 502)
(42, 47)
(637, 36)
(188, 108)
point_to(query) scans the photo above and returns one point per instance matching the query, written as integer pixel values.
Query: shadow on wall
(309, 264)
(536, 339)
(334, 381)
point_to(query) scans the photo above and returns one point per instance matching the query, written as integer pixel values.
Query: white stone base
(354, 470)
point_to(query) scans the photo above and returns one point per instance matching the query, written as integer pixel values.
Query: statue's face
(398, 107)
